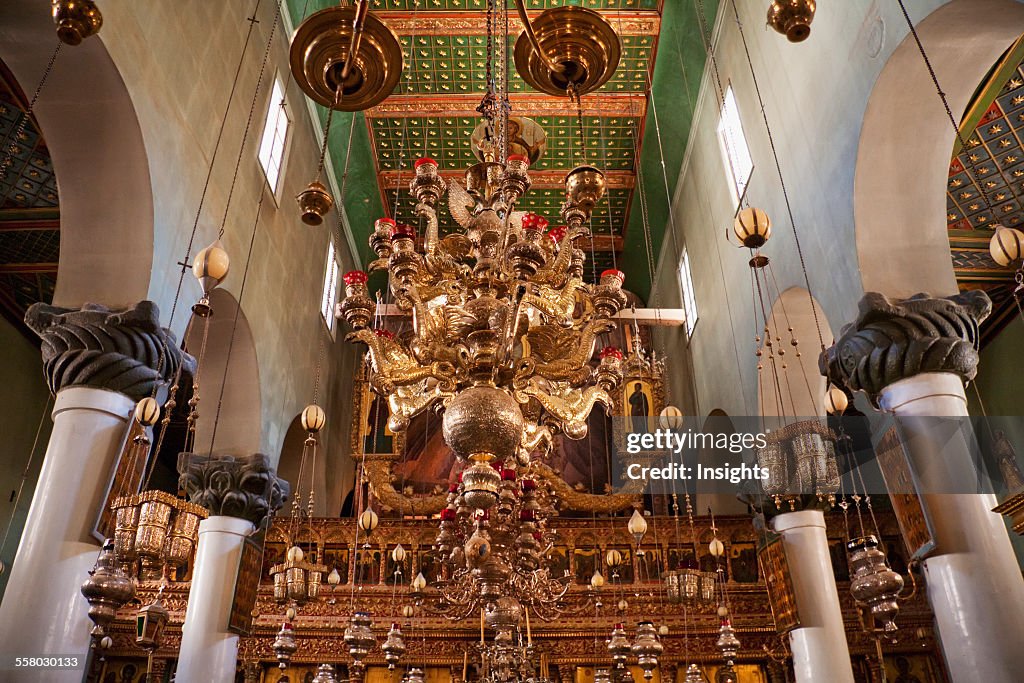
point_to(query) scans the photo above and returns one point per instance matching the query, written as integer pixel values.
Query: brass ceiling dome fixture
(346, 58)
(566, 49)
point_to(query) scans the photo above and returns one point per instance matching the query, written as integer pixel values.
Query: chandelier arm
(532, 37)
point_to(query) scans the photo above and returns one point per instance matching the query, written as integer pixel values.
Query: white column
(974, 582)
(208, 650)
(43, 611)
(820, 652)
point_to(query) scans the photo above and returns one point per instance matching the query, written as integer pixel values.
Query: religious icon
(377, 438)
(337, 558)
(585, 564)
(743, 562)
(638, 404)
(559, 557)
(918, 668)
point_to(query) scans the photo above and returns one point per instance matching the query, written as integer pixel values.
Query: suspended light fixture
(752, 227)
(107, 589)
(1006, 245)
(637, 527)
(76, 20)
(873, 582)
(792, 18)
(210, 267)
(836, 400)
(647, 648)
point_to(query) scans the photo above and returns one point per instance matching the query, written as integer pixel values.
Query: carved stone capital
(246, 487)
(894, 340)
(124, 350)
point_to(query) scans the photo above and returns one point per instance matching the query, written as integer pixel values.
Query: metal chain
(248, 121)
(945, 105)
(213, 158)
(782, 182)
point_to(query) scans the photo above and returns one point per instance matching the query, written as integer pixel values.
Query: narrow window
(686, 288)
(738, 162)
(275, 134)
(330, 294)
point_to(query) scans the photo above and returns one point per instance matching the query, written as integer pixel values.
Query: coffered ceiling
(986, 185)
(29, 216)
(433, 112)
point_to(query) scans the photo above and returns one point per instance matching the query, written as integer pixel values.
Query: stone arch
(230, 346)
(722, 503)
(899, 187)
(91, 129)
(290, 464)
(801, 382)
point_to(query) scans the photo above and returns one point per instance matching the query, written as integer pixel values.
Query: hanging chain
(26, 116)
(782, 181)
(249, 119)
(209, 173)
(973, 173)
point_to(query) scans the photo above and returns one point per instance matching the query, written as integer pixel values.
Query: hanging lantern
(670, 418)
(419, 583)
(184, 533)
(76, 20)
(334, 578)
(814, 452)
(408, 611)
(752, 227)
(619, 647)
(772, 458)
(584, 188)
(147, 411)
(155, 509)
(149, 625)
(295, 579)
(637, 526)
(597, 580)
(126, 525)
(313, 418)
(210, 267)
(284, 646)
(1006, 245)
(728, 644)
(613, 558)
(836, 400)
(694, 674)
(602, 675)
(314, 203)
(368, 521)
(415, 675)
(792, 18)
(325, 674)
(872, 582)
(647, 648)
(716, 547)
(106, 589)
(393, 647)
(359, 637)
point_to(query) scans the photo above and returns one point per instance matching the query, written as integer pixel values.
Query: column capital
(895, 339)
(124, 350)
(246, 487)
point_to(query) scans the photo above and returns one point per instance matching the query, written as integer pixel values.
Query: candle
(481, 626)
(465, 665)
(529, 638)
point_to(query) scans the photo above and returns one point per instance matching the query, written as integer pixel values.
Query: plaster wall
(23, 402)
(178, 61)
(816, 95)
